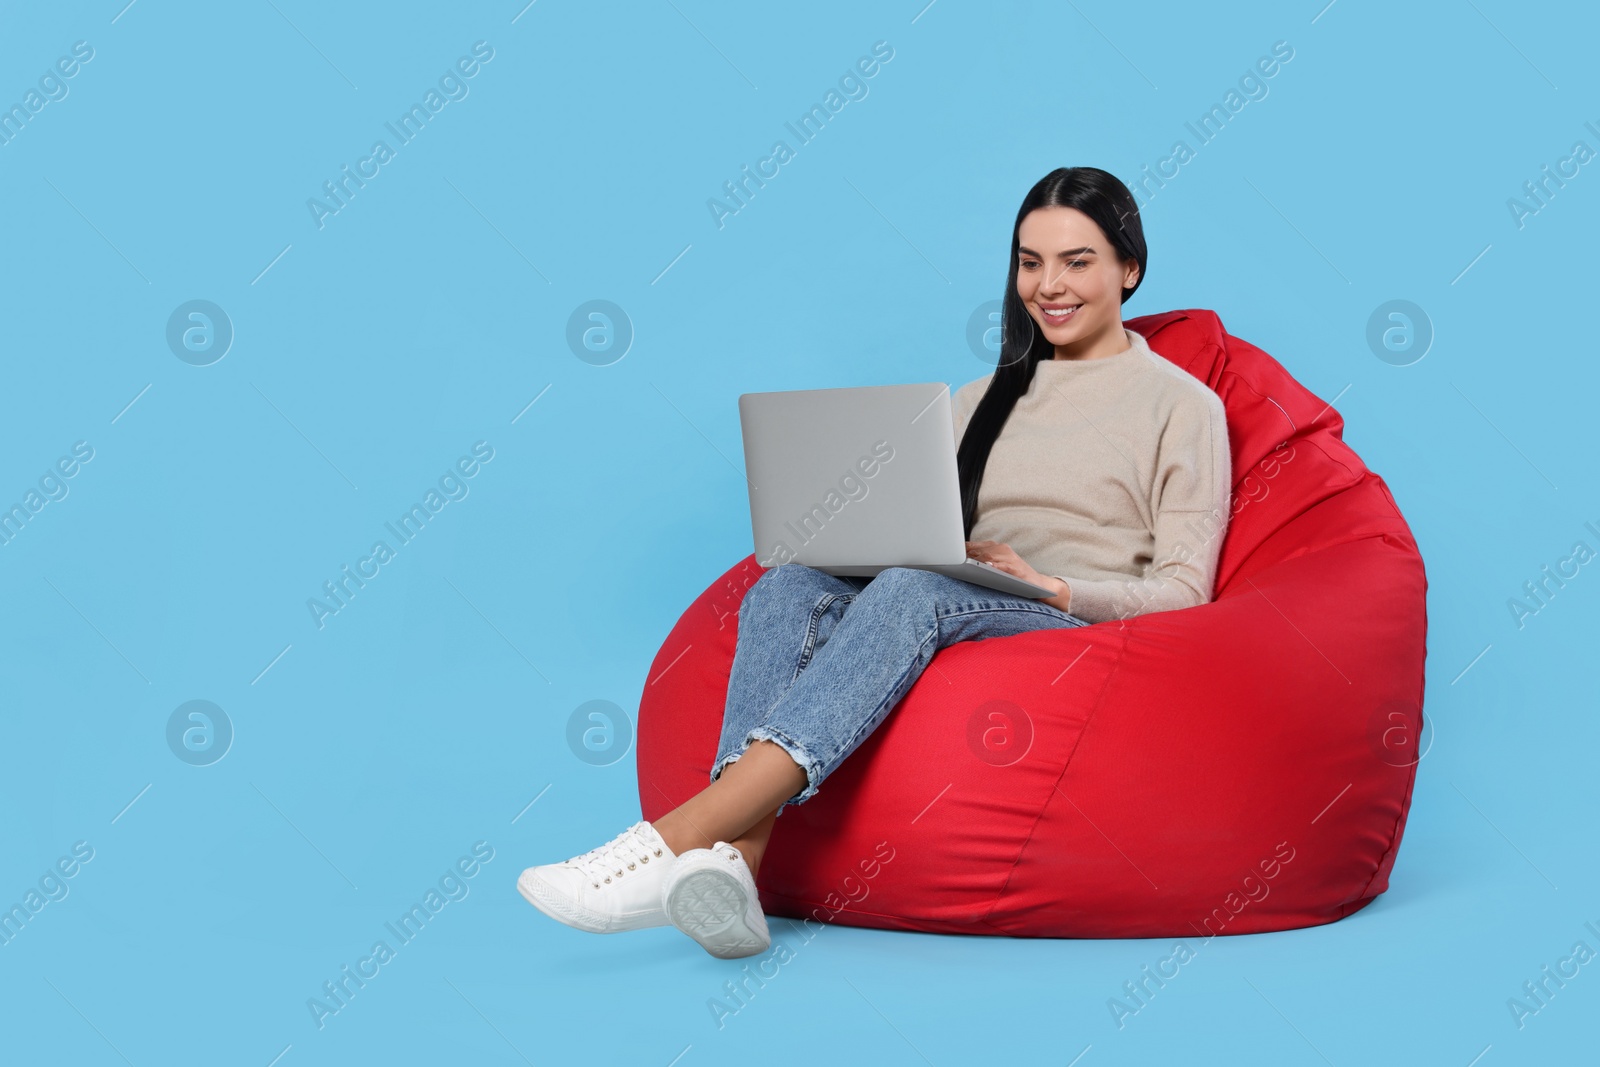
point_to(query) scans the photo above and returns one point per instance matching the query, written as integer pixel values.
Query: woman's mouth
(1056, 315)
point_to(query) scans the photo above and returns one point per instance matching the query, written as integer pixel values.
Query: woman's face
(1065, 262)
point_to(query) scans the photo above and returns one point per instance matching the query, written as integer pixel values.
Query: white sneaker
(710, 895)
(607, 890)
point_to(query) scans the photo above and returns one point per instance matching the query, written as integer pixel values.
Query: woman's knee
(902, 587)
(785, 584)
(905, 579)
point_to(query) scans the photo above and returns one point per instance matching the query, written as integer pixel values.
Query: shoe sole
(710, 907)
(562, 911)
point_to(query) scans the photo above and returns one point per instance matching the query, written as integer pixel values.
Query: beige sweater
(1113, 475)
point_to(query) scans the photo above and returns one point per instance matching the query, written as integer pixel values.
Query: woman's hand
(1002, 556)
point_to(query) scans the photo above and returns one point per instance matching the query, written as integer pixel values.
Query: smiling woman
(1086, 460)
(1096, 458)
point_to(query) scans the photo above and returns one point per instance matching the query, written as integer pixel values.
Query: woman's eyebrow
(1069, 252)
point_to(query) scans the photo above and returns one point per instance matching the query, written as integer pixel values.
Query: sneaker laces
(614, 859)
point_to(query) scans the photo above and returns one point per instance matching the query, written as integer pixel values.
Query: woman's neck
(1109, 342)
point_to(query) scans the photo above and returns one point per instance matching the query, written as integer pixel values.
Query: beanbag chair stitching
(1056, 790)
(1387, 859)
(1226, 590)
(1296, 433)
(1211, 355)
(1337, 456)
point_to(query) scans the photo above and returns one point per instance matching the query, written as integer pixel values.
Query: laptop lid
(854, 476)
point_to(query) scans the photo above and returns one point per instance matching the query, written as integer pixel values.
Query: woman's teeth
(1060, 316)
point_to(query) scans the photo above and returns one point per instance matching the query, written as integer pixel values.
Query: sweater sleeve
(1193, 480)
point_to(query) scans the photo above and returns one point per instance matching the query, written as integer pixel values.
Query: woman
(1104, 473)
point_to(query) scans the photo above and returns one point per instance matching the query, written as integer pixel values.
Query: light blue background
(426, 315)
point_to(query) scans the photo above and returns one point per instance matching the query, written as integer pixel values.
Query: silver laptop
(851, 481)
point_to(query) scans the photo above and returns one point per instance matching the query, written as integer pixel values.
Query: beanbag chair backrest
(1270, 417)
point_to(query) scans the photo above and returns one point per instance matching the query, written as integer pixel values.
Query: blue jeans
(820, 660)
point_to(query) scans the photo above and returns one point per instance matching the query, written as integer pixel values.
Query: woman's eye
(1078, 263)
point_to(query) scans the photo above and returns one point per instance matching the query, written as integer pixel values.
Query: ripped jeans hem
(796, 751)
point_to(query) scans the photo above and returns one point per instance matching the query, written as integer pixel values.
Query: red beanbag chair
(1241, 766)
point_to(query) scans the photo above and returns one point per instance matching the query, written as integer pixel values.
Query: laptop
(851, 481)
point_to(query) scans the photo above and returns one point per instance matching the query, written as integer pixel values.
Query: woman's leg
(786, 617)
(876, 651)
(752, 844)
(757, 782)
(889, 635)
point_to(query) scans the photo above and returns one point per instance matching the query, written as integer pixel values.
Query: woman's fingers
(997, 554)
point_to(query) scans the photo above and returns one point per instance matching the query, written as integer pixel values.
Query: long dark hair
(1107, 201)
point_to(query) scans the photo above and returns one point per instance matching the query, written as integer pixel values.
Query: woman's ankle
(752, 853)
(679, 834)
